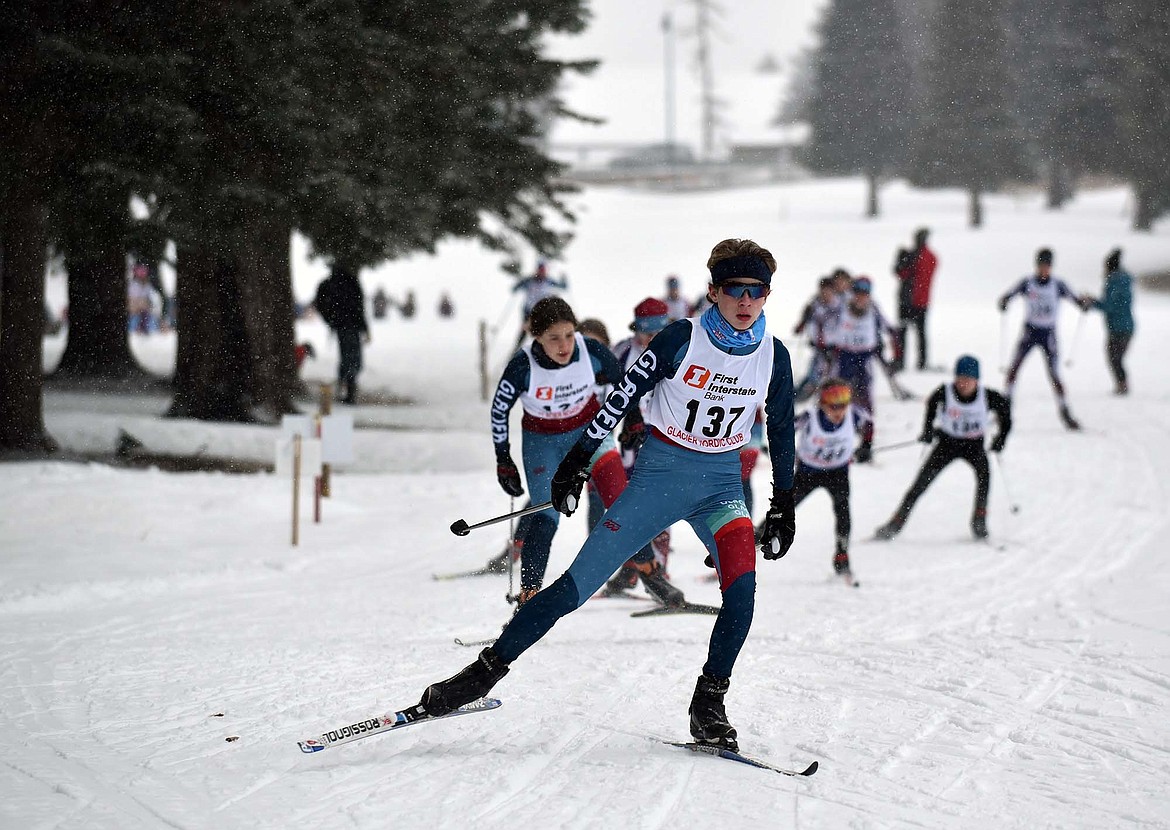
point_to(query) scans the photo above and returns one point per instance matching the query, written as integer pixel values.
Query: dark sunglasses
(755, 290)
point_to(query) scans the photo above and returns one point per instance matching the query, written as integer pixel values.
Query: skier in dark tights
(963, 409)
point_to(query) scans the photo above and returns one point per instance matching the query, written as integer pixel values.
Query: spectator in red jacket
(915, 270)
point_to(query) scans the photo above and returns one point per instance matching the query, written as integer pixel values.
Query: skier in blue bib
(708, 374)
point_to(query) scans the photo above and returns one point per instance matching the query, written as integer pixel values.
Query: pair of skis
(391, 721)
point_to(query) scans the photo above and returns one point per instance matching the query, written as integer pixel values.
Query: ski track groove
(1039, 574)
(620, 699)
(520, 791)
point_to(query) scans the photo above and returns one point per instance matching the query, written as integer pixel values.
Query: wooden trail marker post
(298, 453)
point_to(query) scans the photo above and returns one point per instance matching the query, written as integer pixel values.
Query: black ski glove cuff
(779, 525)
(509, 476)
(568, 480)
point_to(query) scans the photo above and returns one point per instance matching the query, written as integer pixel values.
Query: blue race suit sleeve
(1020, 288)
(1062, 290)
(514, 381)
(606, 368)
(779, 408)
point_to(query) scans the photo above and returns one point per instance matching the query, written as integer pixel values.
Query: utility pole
(704, 11)
(668, 86)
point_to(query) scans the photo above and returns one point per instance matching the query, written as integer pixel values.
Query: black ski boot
(841, 562)
(979, 524)
(1068, 420)
(654, 580)
(472, 683)
(708, 717)
(621, 583)
(499, 564)
(890, 529)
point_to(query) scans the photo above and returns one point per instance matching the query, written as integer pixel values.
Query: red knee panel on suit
(747, 463)
(736, 542)
(609, 477)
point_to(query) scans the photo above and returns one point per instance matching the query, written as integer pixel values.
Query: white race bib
(821, 449)
(559, 393)
(963, 420)
(710, 404)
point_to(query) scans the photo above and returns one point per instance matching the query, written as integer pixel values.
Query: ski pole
(505, 313)
(460, 527)
(1076, 338)
(1015, 508)
(1002, 341)
(511, 547)
(898, 446)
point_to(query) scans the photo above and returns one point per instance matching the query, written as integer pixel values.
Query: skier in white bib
(1042, 293)
(957, 414)
(826, 436)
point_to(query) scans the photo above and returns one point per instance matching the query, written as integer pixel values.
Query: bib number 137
(714, 417)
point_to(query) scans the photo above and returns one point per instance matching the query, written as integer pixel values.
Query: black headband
(748, 266)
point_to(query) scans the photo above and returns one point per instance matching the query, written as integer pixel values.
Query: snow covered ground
(145, 618)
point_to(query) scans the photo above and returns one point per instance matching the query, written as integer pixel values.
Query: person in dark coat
(341, 304)
(1117, 305)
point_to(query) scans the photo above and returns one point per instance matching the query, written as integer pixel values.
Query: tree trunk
(975, 208)
(266, 299)
(1143, 209)
(23, 241)
(212, 374)
(1060, 188)
(871, 181)
(235, 357)
(95, 258)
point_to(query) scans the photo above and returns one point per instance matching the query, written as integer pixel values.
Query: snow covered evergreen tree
(1140, 75)
(970, 136)
(861, 105)
(1062, 48)
(377, 128)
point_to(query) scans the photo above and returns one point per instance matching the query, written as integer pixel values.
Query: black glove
(568, 480)
(927, 436)
(509, 476)
(633, 435)
(998, 443)
(779, 525)
(1003, 304)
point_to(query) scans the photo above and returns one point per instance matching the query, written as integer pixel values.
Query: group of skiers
(688, 403)
(690, 400)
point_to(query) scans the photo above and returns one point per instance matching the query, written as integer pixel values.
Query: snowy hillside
(146, 618)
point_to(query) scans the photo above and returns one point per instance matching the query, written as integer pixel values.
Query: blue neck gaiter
(726, 336)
